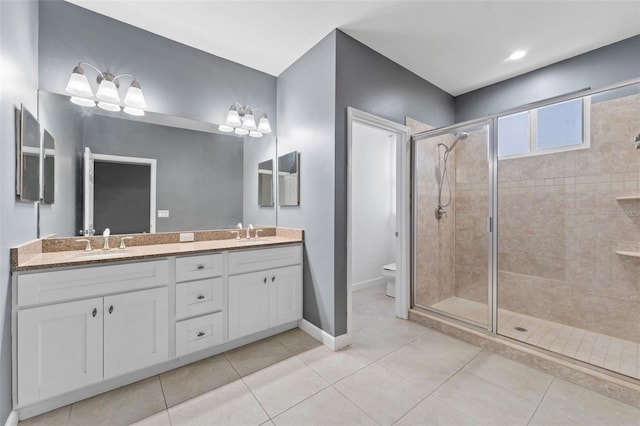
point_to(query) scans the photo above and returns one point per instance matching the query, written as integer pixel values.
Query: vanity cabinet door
(59, 348)
(135, 330)
(248, 304)
(285, 295)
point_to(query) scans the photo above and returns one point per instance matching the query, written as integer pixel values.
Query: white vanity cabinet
(62, 346)
(265, 298)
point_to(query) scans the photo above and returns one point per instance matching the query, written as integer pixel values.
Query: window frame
(533, 131)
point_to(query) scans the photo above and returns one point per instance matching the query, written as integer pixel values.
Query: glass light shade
(134, 97)
(255, 134)
(83, 101)
(248, 121)
(78, 84)
(240, 131)
(225, 128)
(233, 118)
(264, 126)
(107, 106)
(133, 111)
(107, 91)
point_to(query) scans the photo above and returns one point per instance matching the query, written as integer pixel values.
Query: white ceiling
(457, 45)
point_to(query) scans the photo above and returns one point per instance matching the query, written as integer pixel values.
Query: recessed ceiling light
(518, 54)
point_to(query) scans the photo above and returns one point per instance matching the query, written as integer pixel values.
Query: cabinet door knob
(200, 333)
(264, 280)
(200, 297)
(273, 278)
(94, 312)
(111, 309)
(200, 266)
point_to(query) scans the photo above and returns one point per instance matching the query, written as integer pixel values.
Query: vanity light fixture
(106, 96)
(242, 121)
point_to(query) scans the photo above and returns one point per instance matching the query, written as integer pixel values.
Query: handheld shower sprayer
(440, 212)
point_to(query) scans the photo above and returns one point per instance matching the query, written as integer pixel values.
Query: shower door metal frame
(492, 239)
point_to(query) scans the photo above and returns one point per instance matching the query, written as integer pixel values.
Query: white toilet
(389, 272)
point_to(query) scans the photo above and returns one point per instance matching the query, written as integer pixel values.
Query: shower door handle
(489, 224)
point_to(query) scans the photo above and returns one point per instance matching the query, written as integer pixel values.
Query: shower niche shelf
(629, 253)
(628, 197)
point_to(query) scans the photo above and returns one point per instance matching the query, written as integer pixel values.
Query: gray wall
(306, 115)
(199, 175)
(176, 79)
(608, 65)
(19, 82)
(64, 123)
(373, 83)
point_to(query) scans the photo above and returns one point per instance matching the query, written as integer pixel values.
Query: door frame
(151, 162)
(403, 208)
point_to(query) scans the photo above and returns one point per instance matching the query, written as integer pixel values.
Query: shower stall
(527, 224)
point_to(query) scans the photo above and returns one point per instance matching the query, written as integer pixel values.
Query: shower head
(459, 137)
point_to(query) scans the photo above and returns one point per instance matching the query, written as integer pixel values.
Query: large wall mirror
(204, 179)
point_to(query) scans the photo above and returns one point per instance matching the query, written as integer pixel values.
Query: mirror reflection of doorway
(120, 194)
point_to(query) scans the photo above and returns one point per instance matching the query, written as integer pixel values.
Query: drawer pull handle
(111, 309)
(200, 297)
(200, 333)
(200, 267)
(94, 312)
(273, 279)
(264, 280)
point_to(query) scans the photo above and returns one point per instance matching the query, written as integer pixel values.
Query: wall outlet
(163, 213)
(186, 237)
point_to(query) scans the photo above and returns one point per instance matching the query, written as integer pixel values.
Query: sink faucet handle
(122, 240)
(106, 234)
(88, 246)
(237, 234)
(258, 232)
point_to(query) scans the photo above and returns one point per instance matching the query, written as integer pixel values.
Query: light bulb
(107, 90)
(263, 125)
(225, 128)
(133, 111)
(240, 131)
(78, 83)
(233, 118)
(107, 106)
(255, 134)
(134, 97)
(83, 101)
(518, 54)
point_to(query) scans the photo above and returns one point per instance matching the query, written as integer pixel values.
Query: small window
(513, 134)
(560, 125)
(553, 128)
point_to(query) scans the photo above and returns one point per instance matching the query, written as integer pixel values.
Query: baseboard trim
(366, 284)
(12, 420)
(334, 343)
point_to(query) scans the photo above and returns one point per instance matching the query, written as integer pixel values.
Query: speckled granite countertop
(57, 253)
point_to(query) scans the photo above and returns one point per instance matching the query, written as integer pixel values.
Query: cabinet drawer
(198, 267)
(54, 286)
(199, 297)
(257, 260)
(199, 333)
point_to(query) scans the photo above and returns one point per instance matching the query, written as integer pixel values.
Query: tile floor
(608, 352)
(395, 372)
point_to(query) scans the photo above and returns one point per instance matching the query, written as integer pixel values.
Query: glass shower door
(452, 176)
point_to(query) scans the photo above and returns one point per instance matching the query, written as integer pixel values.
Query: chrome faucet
(105, 235)
(249, 228)
(87, 241)
(122, 242)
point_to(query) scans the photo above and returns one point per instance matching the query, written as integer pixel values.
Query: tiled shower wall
(560, 226)
(471, 212)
